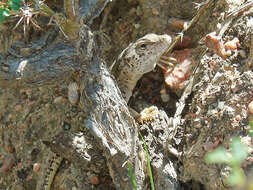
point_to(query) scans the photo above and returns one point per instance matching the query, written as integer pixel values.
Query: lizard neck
(127, 84)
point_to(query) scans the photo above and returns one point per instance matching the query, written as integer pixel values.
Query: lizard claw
(165, 62)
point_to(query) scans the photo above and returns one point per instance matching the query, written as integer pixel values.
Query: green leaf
(3, 14)
(6, 13)
(236, 177)
(148, 164)
(251, 124)
(219, 155)
(239, 151)
(17, 1)
(251, 128)
(131, 173)
(15, 4)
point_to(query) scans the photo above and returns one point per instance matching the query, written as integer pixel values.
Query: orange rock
(94, 180)
(238, 118)
(233, 44)
(215, 43)
(155, 11)
(175, 78)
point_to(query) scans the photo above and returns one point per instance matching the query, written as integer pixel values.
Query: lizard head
(137, 59)
(148, 50)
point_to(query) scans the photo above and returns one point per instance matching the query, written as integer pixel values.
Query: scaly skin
(137, 59)
(51, 169)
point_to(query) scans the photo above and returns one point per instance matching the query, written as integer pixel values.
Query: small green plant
(131, 175)
(251, 128)
(7, 8)
(148, 163)
(4, 13)
(233, 158)
(15, 4)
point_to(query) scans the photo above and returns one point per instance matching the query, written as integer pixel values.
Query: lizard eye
(143, 46)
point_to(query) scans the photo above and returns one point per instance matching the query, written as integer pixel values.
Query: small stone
(19, 165)
(36, 167)
(250, 106)
(66, 126)
(58, 100)
(74, 109)
(155, 11)
(163, 91)
(137, 26)
(250, 23)
(238, 118)
(94, 180)
(242, 53)
(10, 116)
(165, 98)
(18, 108)
(73, 93)
(47, 105)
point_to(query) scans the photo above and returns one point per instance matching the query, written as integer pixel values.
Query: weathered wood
(109, 119)
(107, 113)
(39, 64)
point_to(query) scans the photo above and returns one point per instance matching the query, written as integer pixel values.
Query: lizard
(137, 59)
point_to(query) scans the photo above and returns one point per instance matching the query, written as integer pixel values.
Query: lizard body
(137, 59)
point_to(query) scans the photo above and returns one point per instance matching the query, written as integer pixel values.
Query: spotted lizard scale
(137, 59)
(52, 166)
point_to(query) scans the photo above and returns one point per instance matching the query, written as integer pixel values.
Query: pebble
(58, 100)
(36, 167)
(73, 93)
(238, 118)
(164, 96)
(94, 180)
(18, 108)
(250, 106)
